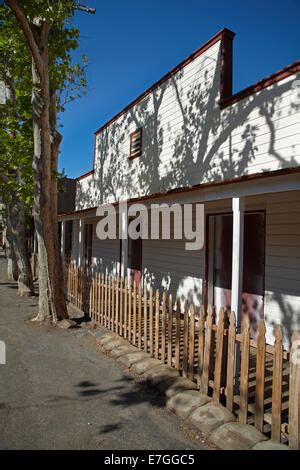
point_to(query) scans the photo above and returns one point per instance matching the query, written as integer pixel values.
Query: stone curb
(129, 359)
(236, 436)
(213, 420)
(182, 404)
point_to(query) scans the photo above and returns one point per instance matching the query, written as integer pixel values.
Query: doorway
(88, 245)
(219, 271)
(134, 266)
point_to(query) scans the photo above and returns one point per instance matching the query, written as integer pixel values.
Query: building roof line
(227, 98)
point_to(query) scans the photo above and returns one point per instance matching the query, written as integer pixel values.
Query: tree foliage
(16, 143)
(66, 79)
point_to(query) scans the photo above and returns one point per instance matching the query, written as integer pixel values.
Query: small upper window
(135, 144)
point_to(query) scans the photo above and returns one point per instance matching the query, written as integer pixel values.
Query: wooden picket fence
(256, 381)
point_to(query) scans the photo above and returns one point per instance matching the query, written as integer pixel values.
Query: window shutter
(135, 144)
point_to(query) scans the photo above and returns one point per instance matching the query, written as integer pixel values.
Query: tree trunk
(12, 267)
(18, 223)
(55, 144)
(45, 205)
(52, 298)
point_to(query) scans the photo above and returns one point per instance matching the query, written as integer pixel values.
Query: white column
(63, 238)
(80, 242)
(238, 206)
(124, 236)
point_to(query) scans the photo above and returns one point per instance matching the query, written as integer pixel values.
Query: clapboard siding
(282, 268)
(189, 140)
(166, 265)
(105, 253)
(161, 116)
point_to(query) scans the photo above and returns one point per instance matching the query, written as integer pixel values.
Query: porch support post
(63, 238)
(123, 217)
(81, 242)
(238, 207)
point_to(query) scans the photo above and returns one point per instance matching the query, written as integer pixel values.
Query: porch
(221, 275)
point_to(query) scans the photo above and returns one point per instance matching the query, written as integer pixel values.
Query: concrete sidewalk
(58, 392)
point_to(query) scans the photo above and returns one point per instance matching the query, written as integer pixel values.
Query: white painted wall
(166, 263)
(106, 256)
(282, 271)
(188, 140)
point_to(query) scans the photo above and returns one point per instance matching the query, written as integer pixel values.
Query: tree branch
(25, 25)
(45, 32)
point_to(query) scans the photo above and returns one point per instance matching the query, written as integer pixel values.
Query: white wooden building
(187, 139)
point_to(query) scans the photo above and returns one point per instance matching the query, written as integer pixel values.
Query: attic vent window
(135, 144)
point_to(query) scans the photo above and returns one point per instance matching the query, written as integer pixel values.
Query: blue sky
(131, 44)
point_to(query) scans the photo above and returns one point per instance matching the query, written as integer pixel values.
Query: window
(135, 144)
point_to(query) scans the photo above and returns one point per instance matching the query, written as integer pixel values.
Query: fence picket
(294, 419)
(102, 298)
(96, 277)
(91, 313)
(260, 376)
(88, 283)
(151, 322)
(244, 376)
(277, 385)
(94, 281)
(117, 306)
(145, 320)
(98, 297)
(140, 317)
(109, 301)
(157, 324)
(201, 331)
(178, 335)
(76, 286)
(207, 349)
(105, 301)
(163, 327)
(185, 340)
(170, 330)
(134, 313)
(191, 342)
(231, 361)
(219, 357)
(126, 308)
(121, 306)
(92, 296)
(129, 309)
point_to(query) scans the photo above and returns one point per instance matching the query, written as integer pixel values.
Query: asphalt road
(58, 392)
